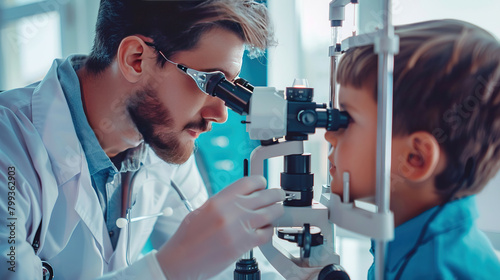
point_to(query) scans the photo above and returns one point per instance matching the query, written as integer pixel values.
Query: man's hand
(215, 235)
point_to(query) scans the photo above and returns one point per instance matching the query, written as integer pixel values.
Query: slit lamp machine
(282, 122)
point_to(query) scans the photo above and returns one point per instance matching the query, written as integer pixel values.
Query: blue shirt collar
(95, 155)
(459, 213)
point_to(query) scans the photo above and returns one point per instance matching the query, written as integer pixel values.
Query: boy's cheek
(335, 187)
(363, 185)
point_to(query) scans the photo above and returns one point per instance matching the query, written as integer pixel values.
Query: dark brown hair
(446, 82)
(176, 25)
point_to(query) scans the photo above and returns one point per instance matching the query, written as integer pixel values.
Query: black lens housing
(298, 179)
(236, 96)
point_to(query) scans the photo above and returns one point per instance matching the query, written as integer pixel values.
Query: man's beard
(151, 118)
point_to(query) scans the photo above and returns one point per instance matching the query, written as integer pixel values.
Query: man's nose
(214, 110)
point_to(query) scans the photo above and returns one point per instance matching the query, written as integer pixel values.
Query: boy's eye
(349, 118)
(343, 122)
(345, 113)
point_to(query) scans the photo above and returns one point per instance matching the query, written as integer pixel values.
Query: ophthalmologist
(71, 144)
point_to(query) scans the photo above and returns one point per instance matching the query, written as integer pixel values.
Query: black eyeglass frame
(200, 77)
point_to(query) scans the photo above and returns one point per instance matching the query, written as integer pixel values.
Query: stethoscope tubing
(183, 198)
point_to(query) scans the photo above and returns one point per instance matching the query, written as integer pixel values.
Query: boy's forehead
(352, 98)
(347, 96)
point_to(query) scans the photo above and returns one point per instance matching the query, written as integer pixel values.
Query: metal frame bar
(385, 51)
(385, 45)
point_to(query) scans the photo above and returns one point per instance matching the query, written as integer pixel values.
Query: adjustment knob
(333, 272)
(307, 117)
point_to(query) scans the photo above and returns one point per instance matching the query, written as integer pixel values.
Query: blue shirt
(453, 246)
(106, 179)
(100, 166)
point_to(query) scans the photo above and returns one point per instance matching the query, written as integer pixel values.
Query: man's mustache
(202, 125)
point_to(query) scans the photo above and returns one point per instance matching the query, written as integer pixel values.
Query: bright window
(25, 63)
(14, 3)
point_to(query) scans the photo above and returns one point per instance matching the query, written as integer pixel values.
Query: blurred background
(34, 32)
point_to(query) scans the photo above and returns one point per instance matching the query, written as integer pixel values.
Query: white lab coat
(52, 182)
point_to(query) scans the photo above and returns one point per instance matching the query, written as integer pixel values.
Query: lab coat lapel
(52, 118)
(92, 216)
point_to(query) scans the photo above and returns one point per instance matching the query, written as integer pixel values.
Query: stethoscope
(48, 271)
(122, 222)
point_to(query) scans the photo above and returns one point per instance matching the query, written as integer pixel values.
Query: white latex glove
(225, 227)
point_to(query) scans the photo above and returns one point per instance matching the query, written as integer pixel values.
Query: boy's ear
(130, 58)
(421, 156)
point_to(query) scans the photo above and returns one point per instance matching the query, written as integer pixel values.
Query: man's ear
(130, 57)
(421, 156)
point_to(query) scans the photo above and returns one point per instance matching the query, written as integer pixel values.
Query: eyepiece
(336, 120)
(235, 96)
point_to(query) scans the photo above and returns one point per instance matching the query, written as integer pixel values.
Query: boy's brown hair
(446, 82)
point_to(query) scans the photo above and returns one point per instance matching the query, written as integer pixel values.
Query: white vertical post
(384, 48)
(378, 15)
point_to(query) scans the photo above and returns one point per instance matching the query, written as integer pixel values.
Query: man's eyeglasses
(201, 78)
(235, 95)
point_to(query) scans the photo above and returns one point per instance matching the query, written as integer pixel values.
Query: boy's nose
(331, 138)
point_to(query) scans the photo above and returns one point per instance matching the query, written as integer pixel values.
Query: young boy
(445, 146)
